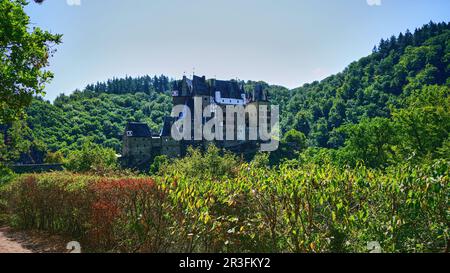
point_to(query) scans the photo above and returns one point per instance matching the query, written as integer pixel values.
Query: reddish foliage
(123, 214)
(120, 203)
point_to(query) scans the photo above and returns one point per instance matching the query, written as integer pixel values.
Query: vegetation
(418, 131)
(370, 87)
(24, 54)
(397, 72)
(364, 157)
(214, 164)
(100, 112)
(292, 208)
(94, 117)
(92, 158)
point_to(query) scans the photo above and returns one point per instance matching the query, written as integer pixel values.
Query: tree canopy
(24, 55)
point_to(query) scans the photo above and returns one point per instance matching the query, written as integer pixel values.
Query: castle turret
(259, 94)
(137, 144)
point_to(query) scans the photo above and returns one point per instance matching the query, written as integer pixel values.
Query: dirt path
(9, 245)
(29, 242)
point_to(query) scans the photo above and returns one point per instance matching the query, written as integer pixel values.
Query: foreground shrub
(58, 202)
(54, 158)
(6, 175)
(118, 214)
(128, 215)
(296, 208)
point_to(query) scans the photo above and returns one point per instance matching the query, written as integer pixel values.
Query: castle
(141, 145)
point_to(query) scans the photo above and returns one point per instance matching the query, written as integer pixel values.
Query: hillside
(97, 115)
(368, 88)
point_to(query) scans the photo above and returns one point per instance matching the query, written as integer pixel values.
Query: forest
(364, 157)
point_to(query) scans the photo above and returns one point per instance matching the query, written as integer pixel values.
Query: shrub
(261, 160)
(54, 158)
(117, 214)
(158, 163)
(129, 215)
(92, 158)
(6, 175)
(293, 208)
(211, 164)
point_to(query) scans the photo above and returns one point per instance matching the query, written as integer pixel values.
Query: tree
(13, 143)
(320, 133)
(24, 55)
(424, 125)
(295, 139)
(292, 144)
(92, 158)
(369, 141)
(301, 122)
(214, 163)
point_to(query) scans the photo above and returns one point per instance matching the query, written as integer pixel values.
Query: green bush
(6, 175)
(54, 158)
(158, 164)
(92, 158)
(211, 164)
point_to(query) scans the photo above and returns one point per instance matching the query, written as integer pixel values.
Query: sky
(283, 42)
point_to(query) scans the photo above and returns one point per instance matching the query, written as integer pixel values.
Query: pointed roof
(259, 94)
(228, 89)
(200, 86)
(138, 129)
(167, 127)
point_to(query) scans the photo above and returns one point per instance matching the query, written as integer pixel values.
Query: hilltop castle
(141, 146)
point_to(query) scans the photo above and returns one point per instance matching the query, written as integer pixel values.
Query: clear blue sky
(285, 42)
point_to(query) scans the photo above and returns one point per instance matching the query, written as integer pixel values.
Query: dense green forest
(99, 116)
(372, 86)
(372, 95)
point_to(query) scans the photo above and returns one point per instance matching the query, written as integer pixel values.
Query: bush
(295, 208)
(128, 215)
(6, 175)
(54, 158)
(92, 158)
(158, 163)
(211, 164)
(118, 214)
(261, 160)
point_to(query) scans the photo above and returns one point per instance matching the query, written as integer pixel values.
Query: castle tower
(260, 98)
(137, 144)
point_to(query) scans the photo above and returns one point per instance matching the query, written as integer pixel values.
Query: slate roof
(259, 94)
(138, 129)
(167, 127)
(200, 86)
(228, 89)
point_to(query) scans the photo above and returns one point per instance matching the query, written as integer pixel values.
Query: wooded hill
(374, 86)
